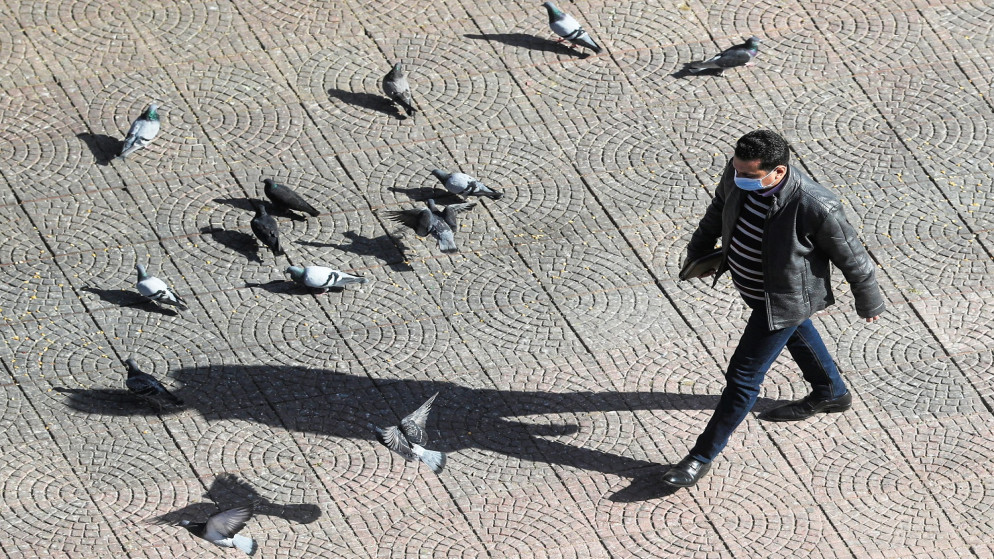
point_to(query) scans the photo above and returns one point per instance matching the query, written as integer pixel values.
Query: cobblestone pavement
(572, 366)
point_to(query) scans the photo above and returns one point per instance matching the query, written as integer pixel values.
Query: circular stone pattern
(244, 112)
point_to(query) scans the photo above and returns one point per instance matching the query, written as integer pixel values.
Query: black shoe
(808, 407)
(686, 473)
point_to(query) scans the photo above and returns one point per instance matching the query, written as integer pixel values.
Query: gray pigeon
(221, 529)
(406, 439)
(321, 278)
(739, 55)
(265, 228)
(568, 29)
(142, 131)
(285, 199)
(465, 185)
(154, 289)
(148, 387)
(398, 90)
(430, 220)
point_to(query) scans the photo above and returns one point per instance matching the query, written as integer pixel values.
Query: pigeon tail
(494, 195)
(584, 39)
(432, 458)
(244, 543)
(349, 280)
(447, 244)
(408, 108)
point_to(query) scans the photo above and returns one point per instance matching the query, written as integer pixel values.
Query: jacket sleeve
(708, 230)
(840, 241)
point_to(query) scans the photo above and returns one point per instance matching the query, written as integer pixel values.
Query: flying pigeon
(565, 26)
(148, 387)
(465, 185)
(431, 220)
(154, 289)
(739, 55)
(406, 439)
(221, 529)
(321, 278)
(265, 228)
(285, 199)
(142, 131)
(398, 90)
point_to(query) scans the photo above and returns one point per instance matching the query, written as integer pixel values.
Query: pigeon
(739, 55)
(265, 228)
(431, 220)
(398, 90)
(321, 278)
(565, 26)
(148, 387)
(142, 131)
(465, 185)
(154, 289)
(285, 199)
(406, 439)
(221, 529)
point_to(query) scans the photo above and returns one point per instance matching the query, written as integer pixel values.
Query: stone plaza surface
(572, 366)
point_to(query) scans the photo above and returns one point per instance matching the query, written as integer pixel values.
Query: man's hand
(872, 319)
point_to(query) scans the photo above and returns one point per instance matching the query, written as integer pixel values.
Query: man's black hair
(765, 145)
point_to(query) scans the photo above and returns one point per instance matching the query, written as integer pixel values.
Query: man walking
(779, 231)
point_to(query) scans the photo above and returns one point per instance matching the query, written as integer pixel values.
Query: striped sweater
(745, 253)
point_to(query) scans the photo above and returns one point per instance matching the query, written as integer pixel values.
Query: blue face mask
(750, 185)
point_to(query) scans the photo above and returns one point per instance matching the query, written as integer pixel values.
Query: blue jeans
(755, 354)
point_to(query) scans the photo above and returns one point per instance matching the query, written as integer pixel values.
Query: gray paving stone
(572, 366)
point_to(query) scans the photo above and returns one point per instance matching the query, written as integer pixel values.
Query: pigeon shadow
(422, 193)
(109, 401)
(685, 72)
(524, 40)
(125, 298)
(239, 203)
(229, 491)
(368, 101)
(530, 426)
(240, 242)
(384, 247)
(103, 147)
(282, 287)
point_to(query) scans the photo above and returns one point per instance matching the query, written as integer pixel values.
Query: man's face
(749, 169)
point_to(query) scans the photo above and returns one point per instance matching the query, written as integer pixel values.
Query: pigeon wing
(453, 210)
(413, 425)
(392, 438)
(228, 523)
(419, 219)
(290, 199)
(267, 231)
(735, 56)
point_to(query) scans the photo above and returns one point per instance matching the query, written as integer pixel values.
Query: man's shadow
(103, 147)
(532, 42)
(335, 404)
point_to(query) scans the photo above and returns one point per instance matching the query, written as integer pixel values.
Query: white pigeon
(465, 185)
(143, 130)
(321, 278)
(569, 29)
(154, 289)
